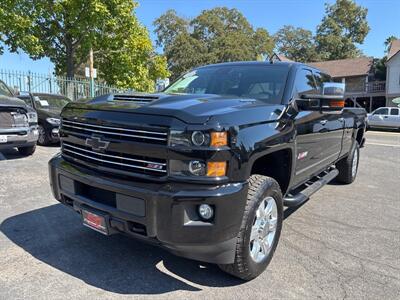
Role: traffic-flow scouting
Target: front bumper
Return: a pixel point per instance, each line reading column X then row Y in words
column 162, row 213
column 19, row 137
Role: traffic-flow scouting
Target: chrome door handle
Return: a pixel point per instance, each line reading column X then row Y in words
column 323, row 122
column 341, row 119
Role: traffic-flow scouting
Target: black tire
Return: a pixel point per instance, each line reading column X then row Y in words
column 43, row 139
column 244, row 266
column 345, row 165
column 27, row 150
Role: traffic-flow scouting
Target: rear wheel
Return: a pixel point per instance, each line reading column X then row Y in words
column 260, row 230
column 27, row 150
column 348, row 166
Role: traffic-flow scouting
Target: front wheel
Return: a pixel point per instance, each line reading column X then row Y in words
column 43, row 139
column 27, row 150
column 260, row 230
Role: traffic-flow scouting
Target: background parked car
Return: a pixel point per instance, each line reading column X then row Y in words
column 384, row 117
column 48, row 107
column 18, row 123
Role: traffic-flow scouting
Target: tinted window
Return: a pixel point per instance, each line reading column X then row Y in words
column 26, row 99
column 382, row 111
column 305, row 83
column 50, row 102
column 394, row 111
column 263, row 82
column 4, row 90
column 320, row 78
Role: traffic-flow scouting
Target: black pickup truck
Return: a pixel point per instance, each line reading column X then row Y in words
column 205, row 168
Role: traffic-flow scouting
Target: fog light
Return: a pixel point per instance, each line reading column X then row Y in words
column 206, row 211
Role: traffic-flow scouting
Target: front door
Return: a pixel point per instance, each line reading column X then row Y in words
column 379, row 117
column 319, row 134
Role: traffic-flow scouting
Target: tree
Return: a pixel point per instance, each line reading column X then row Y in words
column 388, row 42
column 296, row 44
column 216, row 35
column 342, row 28
column 65, row 31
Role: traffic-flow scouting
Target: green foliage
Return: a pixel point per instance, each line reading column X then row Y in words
column 344, row 25
column 216, row 35
column 65, row 30
column 380, row 68
column 388, row 42
column 296, row 44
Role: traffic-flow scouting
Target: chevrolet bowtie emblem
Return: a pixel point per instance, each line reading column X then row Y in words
column 96, row 143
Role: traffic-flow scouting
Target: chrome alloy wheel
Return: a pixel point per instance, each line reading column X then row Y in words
column 354, row 164
column 263, row 230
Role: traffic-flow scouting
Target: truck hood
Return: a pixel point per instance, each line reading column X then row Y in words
column 191, row 109
column 6, row 101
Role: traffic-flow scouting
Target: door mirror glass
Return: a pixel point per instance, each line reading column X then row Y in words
column 331, row 98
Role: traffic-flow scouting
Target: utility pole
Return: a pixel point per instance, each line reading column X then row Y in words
column 91, row 72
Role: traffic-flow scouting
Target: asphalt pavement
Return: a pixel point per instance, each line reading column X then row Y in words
column 343, row 243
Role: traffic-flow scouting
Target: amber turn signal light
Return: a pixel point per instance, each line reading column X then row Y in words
column 216, row 169
column 336, row 103
column 219, row 139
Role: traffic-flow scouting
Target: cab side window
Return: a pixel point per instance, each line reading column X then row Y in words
column 382, row 111
column 305, row 83
column 394, row 112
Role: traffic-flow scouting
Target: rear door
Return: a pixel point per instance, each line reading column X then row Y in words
column 334, row 123
column 394, row 118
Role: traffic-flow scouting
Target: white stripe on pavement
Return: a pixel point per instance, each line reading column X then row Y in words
column 386, row 145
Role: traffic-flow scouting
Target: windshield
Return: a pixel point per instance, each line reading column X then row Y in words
column 4, row 91
column 50, row 102
column 263, row 82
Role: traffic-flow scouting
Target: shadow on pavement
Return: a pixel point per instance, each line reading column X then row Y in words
column 118, row 264
column 10, row 154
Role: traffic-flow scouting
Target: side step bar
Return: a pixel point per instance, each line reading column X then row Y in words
column 302, row 196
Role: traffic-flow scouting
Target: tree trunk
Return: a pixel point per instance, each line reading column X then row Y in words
column 70, row 59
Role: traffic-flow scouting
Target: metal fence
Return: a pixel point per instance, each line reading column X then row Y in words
column 73, row 88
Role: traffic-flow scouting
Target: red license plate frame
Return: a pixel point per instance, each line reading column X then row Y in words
column 95, row 221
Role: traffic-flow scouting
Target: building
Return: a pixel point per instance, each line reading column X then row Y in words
column 362, row 90
column 393, row 73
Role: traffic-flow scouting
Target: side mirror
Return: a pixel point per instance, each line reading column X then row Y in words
column 331, row 99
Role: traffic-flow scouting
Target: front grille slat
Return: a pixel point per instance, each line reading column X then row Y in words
column 114, row 157
column 139, row 135
column 116, row 162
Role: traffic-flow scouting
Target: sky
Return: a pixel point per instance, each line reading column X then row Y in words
column 383, row 18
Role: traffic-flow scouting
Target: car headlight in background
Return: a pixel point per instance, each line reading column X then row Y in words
column 53, row 121
column 32, row 117
column 198, row 139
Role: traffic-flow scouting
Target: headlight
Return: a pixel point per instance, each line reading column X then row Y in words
column 198, row 139
column 53, row 121
column 32, row 117
column 197, row 168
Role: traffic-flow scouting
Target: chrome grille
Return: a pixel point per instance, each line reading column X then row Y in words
column 137, row 135
column 116, row 161
column 13, row 119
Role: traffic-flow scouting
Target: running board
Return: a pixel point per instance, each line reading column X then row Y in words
column 309, row 189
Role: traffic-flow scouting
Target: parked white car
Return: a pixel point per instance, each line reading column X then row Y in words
column 384, row 117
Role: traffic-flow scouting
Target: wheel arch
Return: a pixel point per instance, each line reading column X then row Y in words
column 277, row 164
